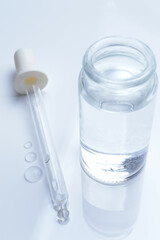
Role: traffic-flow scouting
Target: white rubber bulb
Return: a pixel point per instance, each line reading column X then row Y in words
column 28, row 73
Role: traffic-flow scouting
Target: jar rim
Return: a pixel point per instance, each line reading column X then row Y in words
column 115, row 41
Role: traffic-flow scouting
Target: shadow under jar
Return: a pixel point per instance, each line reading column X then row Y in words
column 117, row 88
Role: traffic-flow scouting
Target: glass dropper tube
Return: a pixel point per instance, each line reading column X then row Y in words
column 29, row 80
column 56, row 183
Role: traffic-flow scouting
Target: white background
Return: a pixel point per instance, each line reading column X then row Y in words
column 59, row 32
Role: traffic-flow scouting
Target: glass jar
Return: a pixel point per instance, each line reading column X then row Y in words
column 117, row 88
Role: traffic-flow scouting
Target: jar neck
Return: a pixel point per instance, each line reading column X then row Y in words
column 119, row 63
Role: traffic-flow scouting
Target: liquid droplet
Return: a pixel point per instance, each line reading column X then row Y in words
column 28, row 145
column 31, row 157
column 63, row 216
column 33, row 174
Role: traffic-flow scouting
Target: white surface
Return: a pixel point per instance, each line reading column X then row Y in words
column 59, row 32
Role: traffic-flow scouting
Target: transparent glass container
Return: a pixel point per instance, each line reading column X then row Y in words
column 117, row 89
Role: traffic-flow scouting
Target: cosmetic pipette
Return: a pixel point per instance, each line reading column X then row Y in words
column 30, row 80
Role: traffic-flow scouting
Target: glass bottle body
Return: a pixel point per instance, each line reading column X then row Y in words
column 117, row 89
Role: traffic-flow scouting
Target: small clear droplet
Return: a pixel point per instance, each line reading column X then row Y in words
column 31, row 157
column 33, row 174
column 63, row 216
column 28, row 145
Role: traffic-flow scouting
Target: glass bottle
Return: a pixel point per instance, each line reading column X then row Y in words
column 117, row 89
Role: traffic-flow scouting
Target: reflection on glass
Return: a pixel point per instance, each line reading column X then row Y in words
column 111, row 210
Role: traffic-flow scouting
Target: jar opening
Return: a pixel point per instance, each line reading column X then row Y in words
column 117, row 60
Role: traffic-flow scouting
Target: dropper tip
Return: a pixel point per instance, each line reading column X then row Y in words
column 63, row 216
